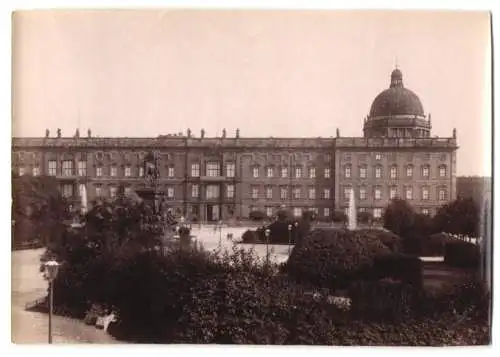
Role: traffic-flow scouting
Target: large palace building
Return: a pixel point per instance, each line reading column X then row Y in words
column 228, row 177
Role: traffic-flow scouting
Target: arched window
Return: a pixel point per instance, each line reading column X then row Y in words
column 347, row 171
column 362, row 171
column 394, row 172
column 409, row 170
column 442, row 171
column 425, row 171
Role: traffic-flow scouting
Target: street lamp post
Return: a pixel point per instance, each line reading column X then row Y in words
column 296, row 224
column 51, row 270
column 289, row 237
column 267, row 231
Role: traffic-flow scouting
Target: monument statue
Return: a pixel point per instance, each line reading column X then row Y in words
column 237, row 133
column 352, row 211
column 47, row 133
column 89, row 133
column 223, row 133
column 58, row 133
column 189, row 133
column 77, row 133
column 338, row 133
column 454, row 133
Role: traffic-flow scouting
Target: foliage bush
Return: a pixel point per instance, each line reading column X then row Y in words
column 365, row 217
column 461, row 254
column 250, row 236
column 407, row 269
column 334, row 258
column 399, row 217
column 458, row 217
column 339, row 216
column 382, row 300
column 387, row 238
column 257, row 216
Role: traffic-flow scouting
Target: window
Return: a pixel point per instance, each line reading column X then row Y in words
column 171, row 171
column 298, row 172
column 195, row 170
column 378, row 172
column 378, row 157
column 170, row 192
column 195, row 191
column 230, row 170
column 362, row 172
column 425, row 211
column 128, row 171
column 347, row 193
column 378, row 193
column 230, row 191
column 297, row 211
column 296, row 193
column 269, row 193
column 393, row 192
column 394, row 172
column 67, row 168
column 347, row 171
column 112, row 191
column 327, row 172
column 284, row 172
column 128, row 191
column 312, row 193
column 425, row 193
column 362, row 193
column 82, row 168
column 21, row 171
column 98, row 171
column 67, row 190
column 212, row 191
column 326, row 212
column 425, row 171
column 255, row 171
column 112, row 171
column 213, row 169
column 442, row 171
column 312, row 172
column 141, row 171
column 377, row 212
column 255, row 193
column 269, row 211
column 98, row 191
column 442, row 194
column 328, row 157
column 409, row 193
column 409, row 171
column 270, row 172
column 36, row 171
column 326, row 193
column 283, row 193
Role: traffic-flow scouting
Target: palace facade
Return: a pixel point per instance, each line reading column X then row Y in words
column 228, row 177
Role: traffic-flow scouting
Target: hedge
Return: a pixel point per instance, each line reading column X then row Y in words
column 405, row 268
column 334, row 258
column 387, row 238
column 461, row 254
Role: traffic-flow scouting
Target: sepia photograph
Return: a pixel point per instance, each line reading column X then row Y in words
column 251, row 177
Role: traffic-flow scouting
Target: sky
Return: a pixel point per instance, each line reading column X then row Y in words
column 268, row 73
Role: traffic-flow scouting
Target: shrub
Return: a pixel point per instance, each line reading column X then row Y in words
column 339, row 217
column 383, row 300
column 425, row 245
column 365, row 217
column 250, row 236
column 333, row 258
column 405, row 268
column 387, row 238
column 399, row 217
column 257, row 216
column 461, row 254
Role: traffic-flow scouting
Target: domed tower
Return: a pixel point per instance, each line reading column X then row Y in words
column 397, row 112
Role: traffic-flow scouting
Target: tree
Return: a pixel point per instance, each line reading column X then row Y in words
column 399, row 218
column 257, row 215
column 458, row 217
column 38, row 210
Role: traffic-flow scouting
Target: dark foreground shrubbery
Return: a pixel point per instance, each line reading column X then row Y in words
column 334, row 258
column 461, row 254
column 405, row 268
column 387, row 238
